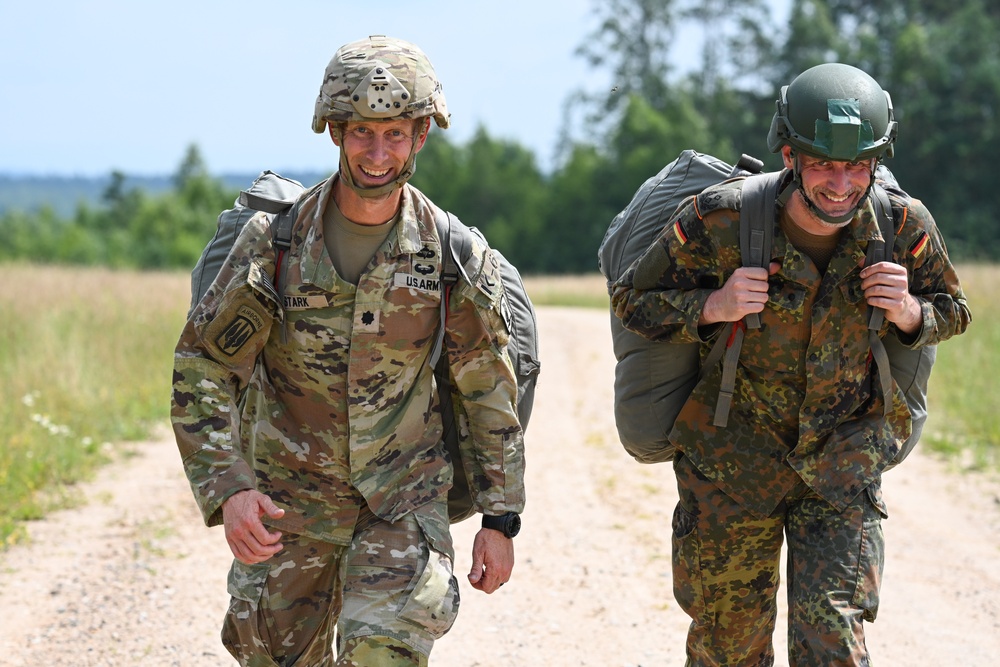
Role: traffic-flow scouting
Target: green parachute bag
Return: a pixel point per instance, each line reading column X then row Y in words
column 654, row 379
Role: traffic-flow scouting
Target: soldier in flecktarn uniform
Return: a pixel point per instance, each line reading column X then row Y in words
column 810, row 430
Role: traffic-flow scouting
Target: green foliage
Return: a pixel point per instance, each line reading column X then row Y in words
column 490, row 184
column 939, row 60
column 633, row 40
column 128, row 229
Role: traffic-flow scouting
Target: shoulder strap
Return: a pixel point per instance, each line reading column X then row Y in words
column 281, row 232
column 455, row 248
column 449, row 276
column 282, row 221
column 757, row 211
column 285, row 214
column 881, row 251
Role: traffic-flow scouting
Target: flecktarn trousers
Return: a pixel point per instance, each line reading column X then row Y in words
column 726, row 564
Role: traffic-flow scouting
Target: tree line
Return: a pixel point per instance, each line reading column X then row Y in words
column 940, row 61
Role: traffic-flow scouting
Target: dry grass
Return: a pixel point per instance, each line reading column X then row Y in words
column 588, row 290
column 85, row 358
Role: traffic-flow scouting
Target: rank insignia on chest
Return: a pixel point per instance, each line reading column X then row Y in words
column 366, row 321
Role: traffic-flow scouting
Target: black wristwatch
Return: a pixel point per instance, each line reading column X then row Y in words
column 509, row 524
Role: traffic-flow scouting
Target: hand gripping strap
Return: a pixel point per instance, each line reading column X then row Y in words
column 877, row 252
column 757, row 211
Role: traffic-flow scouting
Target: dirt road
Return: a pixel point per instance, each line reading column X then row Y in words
column 133, row 578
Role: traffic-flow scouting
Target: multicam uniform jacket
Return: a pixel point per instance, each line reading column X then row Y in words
column 323, row 399
column 805, row 403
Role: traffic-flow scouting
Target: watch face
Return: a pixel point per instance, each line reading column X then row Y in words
column 513, row 526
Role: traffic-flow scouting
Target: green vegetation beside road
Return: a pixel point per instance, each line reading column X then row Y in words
column 85, row 358
column 964, row 414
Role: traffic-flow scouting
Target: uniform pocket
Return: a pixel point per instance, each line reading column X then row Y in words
column 686, row 560
column 432, row 600
column 872, row 555
column 246, row 582
column 247, row 630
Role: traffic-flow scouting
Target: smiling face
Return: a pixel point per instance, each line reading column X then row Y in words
column 834, row 187
column 377, row 151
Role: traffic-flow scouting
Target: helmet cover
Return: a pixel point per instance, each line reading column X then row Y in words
column 834, row 111
column 379, row 78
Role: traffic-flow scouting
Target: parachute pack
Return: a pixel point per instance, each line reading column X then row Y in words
column 276, row 195
column 654, row 379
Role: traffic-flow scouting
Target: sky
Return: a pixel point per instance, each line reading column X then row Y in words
column 91, row 86
column 87, row 87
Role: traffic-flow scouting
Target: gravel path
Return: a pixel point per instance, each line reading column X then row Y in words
column 131, row 577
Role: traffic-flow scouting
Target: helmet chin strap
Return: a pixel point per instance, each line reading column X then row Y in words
column 378, row 192
column 796, row 184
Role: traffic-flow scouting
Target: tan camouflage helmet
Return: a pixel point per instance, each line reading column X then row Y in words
column 377, row 79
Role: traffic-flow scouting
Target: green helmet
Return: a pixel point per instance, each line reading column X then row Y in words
column 379, row 78
column 834, row 111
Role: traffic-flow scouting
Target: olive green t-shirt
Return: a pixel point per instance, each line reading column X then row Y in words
column 351, row 246
column 818, row 248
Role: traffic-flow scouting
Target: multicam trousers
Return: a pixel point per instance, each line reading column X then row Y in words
column 726, row 563
column 385, row 598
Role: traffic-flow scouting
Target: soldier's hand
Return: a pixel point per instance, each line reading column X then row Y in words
column 248, row 538
column 886, row 286
column 744, row 292
column 492, row 560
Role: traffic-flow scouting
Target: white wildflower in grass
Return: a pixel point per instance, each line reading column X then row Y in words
column 46, row 423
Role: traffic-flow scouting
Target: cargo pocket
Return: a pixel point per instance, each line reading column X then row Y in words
column 246, row 582
column 872, row 554
column 686, row 558
column 432, row 599
column 245, row 625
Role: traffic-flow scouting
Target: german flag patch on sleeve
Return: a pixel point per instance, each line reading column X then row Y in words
column 917, row 247
column 679, row 232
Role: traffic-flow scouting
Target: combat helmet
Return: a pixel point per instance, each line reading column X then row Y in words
column 837, row 112
column 379, row 78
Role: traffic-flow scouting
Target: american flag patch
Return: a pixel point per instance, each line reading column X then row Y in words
column 920, row 245
column 679, row 232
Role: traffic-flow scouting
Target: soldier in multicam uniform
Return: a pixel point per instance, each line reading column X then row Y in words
column 808, row 437
column 308, row 421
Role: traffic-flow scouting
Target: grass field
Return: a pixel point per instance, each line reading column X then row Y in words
column 964, row 410
column 85, row 359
